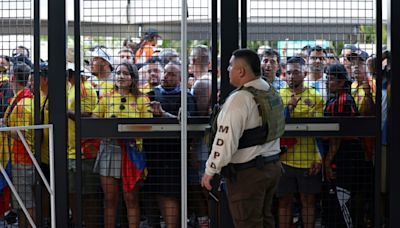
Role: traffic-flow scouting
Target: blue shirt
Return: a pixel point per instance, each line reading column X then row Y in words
column 278, row 84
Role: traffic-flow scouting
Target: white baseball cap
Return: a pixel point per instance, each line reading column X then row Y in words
column 101, row 52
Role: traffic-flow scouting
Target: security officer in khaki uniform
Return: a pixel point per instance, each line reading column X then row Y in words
column 245, row 149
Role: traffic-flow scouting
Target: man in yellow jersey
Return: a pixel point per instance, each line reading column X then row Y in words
column 362, row 89
column 44, row 119
column 20, row 113
column 101, row 67
column 302, row 161
column 315, row 72
column 89, row 150
column 154, row 71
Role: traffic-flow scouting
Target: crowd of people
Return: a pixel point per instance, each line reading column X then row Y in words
column 326, row 178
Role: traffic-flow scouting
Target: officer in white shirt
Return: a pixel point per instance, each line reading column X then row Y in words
column 256, row 169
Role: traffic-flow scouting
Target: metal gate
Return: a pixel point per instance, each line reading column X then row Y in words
column 223, row 26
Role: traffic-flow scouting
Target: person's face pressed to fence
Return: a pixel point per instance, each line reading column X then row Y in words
column 172, row 76
column 316, row 61
column 153, row 71
column 124, row 79
column 334, row 84
column 126, row 56
column 345, row 60
column 98, row 65
column 294, row 75
column 269, row 66
column 4, row 65
column 358, row 69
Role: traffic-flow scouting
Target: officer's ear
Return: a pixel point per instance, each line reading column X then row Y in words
column 242, row 70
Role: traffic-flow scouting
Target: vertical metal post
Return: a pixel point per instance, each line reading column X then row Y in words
column 78, row 157
column 37, row 112
column 214, row 51
column 57, row 30
column 52, row 178
column 229, row 41
column 394, row 112
column 378, row 146
column 183, row 118
column 243, row 23
column 388, row 23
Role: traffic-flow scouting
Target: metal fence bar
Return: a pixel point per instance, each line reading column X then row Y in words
column 394, row 131
column 50, row 188
column 183, row 116
column 37, row 113
column 35, row 163
column 243, row 23
column 57, row 44
column 10, row 184
column 52, row 178
column 378, row 147
column 78, row 175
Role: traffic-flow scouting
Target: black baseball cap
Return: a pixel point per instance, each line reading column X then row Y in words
column 338, row 70
column 151, row 33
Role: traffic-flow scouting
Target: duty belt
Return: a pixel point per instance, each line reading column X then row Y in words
column 230, row 171
column 258, row 161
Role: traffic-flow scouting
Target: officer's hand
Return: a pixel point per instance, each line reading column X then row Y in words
column 205, row 182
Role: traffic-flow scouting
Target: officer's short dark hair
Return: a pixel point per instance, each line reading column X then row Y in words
column 22, row 72
column 251, row 58
column 296, row 59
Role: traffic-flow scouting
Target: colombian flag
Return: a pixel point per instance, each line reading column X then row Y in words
column 5, row 194
column 133, row 163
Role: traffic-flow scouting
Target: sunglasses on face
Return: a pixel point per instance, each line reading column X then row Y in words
column 315, row 58
column 353, row 58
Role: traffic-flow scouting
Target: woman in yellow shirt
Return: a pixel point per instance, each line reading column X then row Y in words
column 125, row 101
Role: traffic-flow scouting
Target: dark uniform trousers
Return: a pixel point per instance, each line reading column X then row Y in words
column 250, row 195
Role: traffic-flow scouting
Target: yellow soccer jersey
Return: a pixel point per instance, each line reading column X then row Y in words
column 304, row 152
column 114, row 105
column 22, row 115
column 358, row 94
column 44, row 107
column 88, row 104
column 105, row 87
